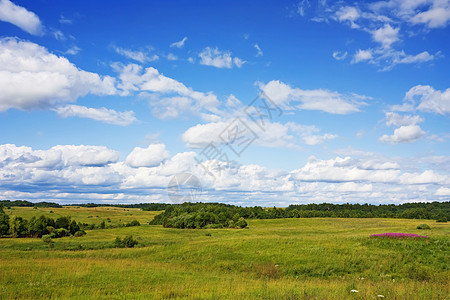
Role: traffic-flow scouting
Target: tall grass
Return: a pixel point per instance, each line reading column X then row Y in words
column 273, row 259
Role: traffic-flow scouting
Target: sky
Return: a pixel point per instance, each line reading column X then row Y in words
column 265, row 103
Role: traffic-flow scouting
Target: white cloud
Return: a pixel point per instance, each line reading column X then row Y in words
column 68, row 173
column 386, row 35
column 59, row 35
column 219, row 59
column 73, row 51
column 302, row 6
column 386, row 22
column 320, row 99
column 348, row 14
column 258, row 49
column 393, row 118
column 443, row 191
column 140, row 56
column 390, row 58
column 172, row 56
column 412, row 59
column 337, row 55
column 426, row 177
column 404, row 134
column 151, row 156
column 435, row 17
column 31, row 78
column 21, row 17
column 168, row 97
column 103, row 114
column 308, row 134
column 179, row 44
column 273, row 134
column 362, row 55
column 428, row 99
column 201, row 135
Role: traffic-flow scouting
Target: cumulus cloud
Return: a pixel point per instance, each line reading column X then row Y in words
column 272, row 134
column 103, row 114
column 393, row 118
column 387, row 22
column 323, row 100
column 179, row 44
column 168, row 97
column 437, row 16
column 219, row 59
column 425, row 98
column 404, row 134
column 151, row 156
column 348, row 14
column 21, row 17
column 33, row 78
column 443, row 191
column 408, row 130
column 362, row 55
column 69, row 173
column 386, row 35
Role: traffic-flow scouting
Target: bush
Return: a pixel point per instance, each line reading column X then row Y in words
column 423, row 226
column 133, row 223
column 79, row 233
column 60, row 232
column 47, row 239
column 442, row 220
column 127, row 242
column 241, row 223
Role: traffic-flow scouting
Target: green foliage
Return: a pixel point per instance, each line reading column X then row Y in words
column 102, row 225
column 79, row 233
column 4, row 223
column 126, row 242
column 41, row 226
column 423, row 226
column 23, row 203
column 47, row 239
column 133, row 223
column 442, row 220
column 200, row 215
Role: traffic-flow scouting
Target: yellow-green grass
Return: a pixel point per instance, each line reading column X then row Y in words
column 273, row 259
column 91, row 215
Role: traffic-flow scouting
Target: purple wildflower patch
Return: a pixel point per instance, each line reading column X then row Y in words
column 398, row 235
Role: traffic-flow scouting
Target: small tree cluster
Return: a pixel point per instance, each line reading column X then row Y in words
column 126, row 242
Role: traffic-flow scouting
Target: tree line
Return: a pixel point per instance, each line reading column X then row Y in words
column 37, row 227
column 219, row 215
column 200, row 215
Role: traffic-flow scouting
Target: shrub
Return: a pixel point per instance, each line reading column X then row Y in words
column 127, row 242
column 423, row 226
column 133, row 223
column 241, row 223
column 79, row 233
column 47, row 239
column 442, row 220
column 60, row 232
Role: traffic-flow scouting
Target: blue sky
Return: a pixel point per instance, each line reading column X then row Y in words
column 106, row 102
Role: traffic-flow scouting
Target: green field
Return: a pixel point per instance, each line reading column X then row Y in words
column 313, row 258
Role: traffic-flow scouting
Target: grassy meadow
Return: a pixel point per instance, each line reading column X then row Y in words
column 317, row 258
